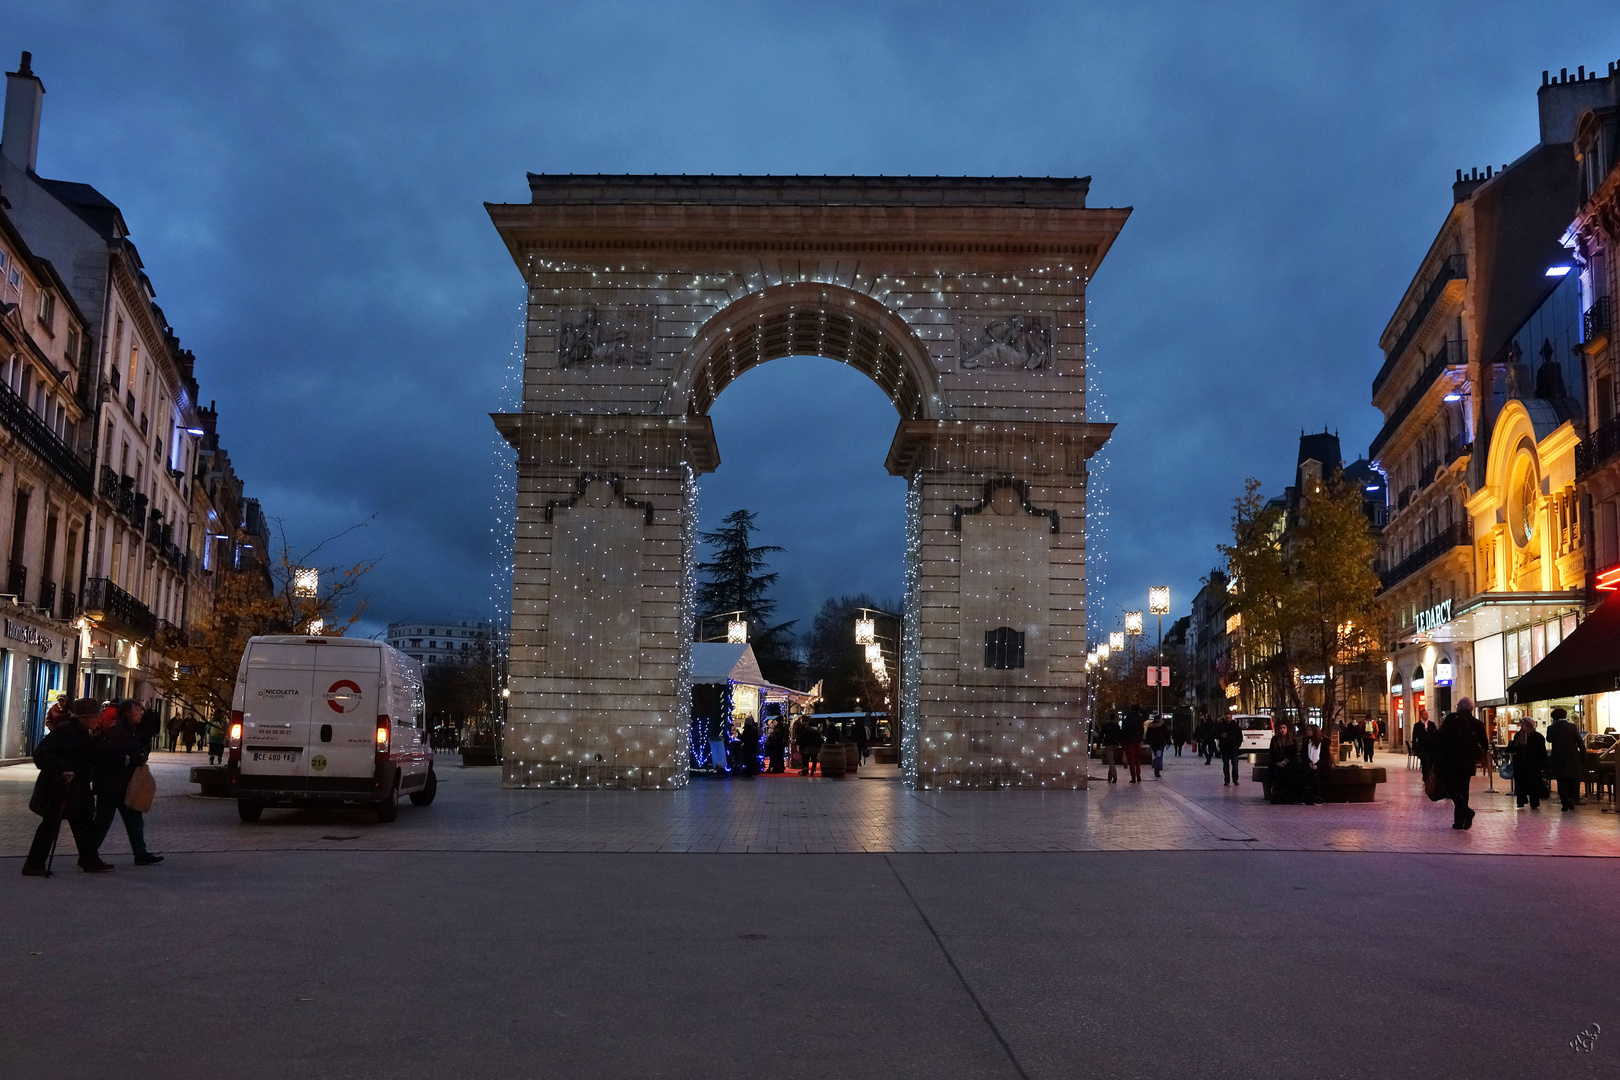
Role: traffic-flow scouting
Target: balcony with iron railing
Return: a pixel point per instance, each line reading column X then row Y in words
column 17, row 580
column 35, row 434
column 1454, row 535
column 1450, row 354
column 1597, row 323
column 47, row 597
column 1597, row 448
column 117, row 610
column 1452, row 269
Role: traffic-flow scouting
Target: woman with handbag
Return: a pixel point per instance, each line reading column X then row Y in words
column 65, row 758
column 123, row 782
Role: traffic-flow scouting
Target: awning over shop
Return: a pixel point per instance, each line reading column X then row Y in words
column 1585, row 662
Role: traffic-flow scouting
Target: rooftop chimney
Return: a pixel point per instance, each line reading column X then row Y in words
column 19, row 141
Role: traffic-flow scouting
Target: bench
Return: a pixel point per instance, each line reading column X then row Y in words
column 214, row 780
column 1342, row 783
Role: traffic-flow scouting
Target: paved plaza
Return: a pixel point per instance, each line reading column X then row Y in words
column 1170, row 928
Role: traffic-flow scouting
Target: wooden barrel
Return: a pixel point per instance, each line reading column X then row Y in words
column 832, row 760
column 852, row 758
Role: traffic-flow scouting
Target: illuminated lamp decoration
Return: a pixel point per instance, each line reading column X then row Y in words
column 874, row 654
column 1133, row 622
column 1116, row 640
column 1103, row 651
column 865, row 631
column 306, row 581
column 1159, row 599
column 737, row 632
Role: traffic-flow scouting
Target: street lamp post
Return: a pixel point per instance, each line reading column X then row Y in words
column 1133, row 630
column 1159, row 605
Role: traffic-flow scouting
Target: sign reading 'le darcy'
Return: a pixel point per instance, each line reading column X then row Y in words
column 1434, row 618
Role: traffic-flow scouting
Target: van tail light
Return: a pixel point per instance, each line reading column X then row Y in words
column 382, row 735
column 235, row 736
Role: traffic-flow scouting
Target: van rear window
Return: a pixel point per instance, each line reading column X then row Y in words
column 1256, row 723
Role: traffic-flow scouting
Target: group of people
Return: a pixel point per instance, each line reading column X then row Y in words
column 1122, row 736
column 1536, row 760
column 90, row 754
column 1361, row 736
column 1295, row 766
column 799, row 742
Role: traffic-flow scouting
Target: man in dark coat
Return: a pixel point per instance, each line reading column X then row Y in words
column 1459, row 744
column 1204, row 737
column 1228, row 740
column 1131, row 732
column 65, row 759
column 1567, row 751
column 1529, row 751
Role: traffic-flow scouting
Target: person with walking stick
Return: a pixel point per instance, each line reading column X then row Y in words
column 65, row 759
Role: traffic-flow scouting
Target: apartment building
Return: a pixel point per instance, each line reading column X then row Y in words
column 165, row 507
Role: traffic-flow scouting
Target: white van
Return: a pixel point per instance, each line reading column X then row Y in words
column 1257, row 732
column 327, row 721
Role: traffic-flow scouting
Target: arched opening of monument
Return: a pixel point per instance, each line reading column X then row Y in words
column 802, row 442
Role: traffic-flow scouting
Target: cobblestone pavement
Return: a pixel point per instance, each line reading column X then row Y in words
column 1129, row 931
column 1187, row 810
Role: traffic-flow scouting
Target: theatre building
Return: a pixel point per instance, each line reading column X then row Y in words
column 1484, row 391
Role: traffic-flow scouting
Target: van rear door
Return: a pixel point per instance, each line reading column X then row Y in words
column 344, row 724
column 275, row 710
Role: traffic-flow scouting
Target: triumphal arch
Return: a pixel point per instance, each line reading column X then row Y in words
column 963, row 299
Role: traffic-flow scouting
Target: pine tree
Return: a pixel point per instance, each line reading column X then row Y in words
column 735, row 580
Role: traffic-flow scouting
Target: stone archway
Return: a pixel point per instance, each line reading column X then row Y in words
column 964, row 299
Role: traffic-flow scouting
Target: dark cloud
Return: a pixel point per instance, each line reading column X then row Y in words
column 306, row 183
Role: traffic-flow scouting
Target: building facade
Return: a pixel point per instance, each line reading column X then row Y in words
column 165, row 508
column 45, row 486
column 1593, row 239
column 434, row 643
column 1484, row 391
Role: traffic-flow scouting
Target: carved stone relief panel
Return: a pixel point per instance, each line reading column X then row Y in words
column 1006, row 572
column 606, row 335
column 991, row 341
column 596, row 587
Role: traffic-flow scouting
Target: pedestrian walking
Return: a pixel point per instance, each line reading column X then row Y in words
column 188, row 733
column 119, row 754
column 861, row 744
column 1181, row 726
column 1567, row 751
column 216, row 741
column 1108, row 741
column 748, row 747
column 1204, row 735
column 1157, row 737
column 1459, row 743
column 1529, row 758
column 66, row 760
column 1131, row 732
column 1228, row 740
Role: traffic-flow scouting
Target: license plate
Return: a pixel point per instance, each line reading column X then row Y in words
column 259, row 755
